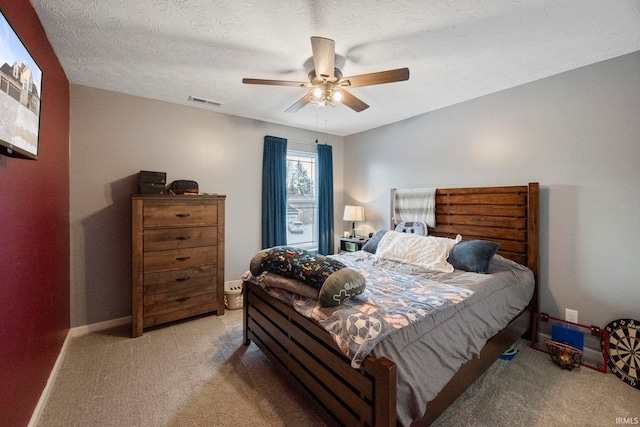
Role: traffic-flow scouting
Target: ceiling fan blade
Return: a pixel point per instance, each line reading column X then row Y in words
column 352, row 102
column 298, row 105
column 371, row 79
column 275, row 82
column 324, row 55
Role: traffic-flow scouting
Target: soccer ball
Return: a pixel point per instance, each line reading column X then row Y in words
column 361, row 327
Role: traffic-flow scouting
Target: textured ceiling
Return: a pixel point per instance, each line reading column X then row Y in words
column 456, row 50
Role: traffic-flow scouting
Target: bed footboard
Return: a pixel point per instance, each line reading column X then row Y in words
column 365, row 396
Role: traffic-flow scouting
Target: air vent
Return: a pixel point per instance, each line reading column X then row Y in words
column 204, row 101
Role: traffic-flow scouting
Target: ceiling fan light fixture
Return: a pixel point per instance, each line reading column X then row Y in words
column 317, row 93
column 337, row 95
column 325, row 94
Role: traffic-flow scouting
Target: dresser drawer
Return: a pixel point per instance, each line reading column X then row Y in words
column 180, row 294
column 159, row 239
column 153, row 309
column 165, row 281
column 179, row 258
column 182, row 311
column 178, row 215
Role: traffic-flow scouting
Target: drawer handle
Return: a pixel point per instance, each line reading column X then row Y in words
column 183, row 279
column 183, row 237
column 183, row 258
column 183, row 215
column 182, row 299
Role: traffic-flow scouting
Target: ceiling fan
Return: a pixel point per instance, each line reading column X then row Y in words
column 326, row 83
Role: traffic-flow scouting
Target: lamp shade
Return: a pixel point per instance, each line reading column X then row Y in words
column 353, row 213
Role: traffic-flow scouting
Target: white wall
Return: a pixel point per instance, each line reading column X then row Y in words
column 577, row 134
column 114, row 136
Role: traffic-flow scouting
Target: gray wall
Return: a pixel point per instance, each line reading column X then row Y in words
column 577, row 134
column 114, row 136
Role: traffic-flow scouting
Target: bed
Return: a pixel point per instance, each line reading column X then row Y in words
column 376, row 393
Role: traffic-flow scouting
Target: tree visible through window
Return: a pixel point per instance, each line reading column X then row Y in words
column 302, row 202
column 300, row 184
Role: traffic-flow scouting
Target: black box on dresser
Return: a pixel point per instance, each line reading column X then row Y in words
column 152, row 182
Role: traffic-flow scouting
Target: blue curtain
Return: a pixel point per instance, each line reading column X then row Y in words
column 274, row 192
column 325, row 200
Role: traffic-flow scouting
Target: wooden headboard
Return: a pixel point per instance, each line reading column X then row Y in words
column 507, row 215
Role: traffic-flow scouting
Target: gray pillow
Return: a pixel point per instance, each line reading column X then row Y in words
column 340, row 286
column 473, row 255
column 372, row 244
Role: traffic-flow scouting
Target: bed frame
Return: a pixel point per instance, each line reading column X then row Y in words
column 367, row 396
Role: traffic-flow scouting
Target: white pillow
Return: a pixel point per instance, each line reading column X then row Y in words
column 424, row 251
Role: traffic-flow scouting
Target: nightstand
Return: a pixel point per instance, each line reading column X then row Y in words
column 352, row 245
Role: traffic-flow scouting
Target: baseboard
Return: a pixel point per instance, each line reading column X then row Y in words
column 100, row 326
column 73, row 332
column 37, row 412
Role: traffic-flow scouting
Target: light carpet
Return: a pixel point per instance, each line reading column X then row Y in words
column 198, row 373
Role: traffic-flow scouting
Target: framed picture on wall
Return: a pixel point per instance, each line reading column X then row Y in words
column 20, row 96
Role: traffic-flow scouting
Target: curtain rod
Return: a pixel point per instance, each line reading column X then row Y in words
column 297, row 141
column 302, row 142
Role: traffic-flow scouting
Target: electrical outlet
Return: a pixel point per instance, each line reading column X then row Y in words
column 571, row 315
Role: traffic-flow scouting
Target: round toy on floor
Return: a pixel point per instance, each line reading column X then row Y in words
column 624, row 350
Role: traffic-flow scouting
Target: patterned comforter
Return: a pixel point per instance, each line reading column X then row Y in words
column 392, row 300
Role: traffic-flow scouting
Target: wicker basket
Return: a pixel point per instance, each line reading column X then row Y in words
column 233, row 294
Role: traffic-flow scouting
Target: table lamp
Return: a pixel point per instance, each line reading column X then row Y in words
column 353, row 214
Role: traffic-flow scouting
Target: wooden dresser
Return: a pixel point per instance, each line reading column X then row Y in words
column 177, row 258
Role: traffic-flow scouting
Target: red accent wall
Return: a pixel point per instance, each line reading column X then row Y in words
column 34, row 237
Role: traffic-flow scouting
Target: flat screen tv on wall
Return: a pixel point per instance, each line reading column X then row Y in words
column 20, row 96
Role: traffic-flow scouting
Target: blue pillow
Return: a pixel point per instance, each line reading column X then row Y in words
column 372, row 244
column 473, row 255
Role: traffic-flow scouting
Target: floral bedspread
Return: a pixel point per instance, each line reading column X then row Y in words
column 390, row 301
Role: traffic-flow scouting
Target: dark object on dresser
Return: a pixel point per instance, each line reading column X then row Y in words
column 152, row 182
column 177, row 258
column 183, row 186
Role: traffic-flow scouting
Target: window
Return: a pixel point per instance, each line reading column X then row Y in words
column 302, row 199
